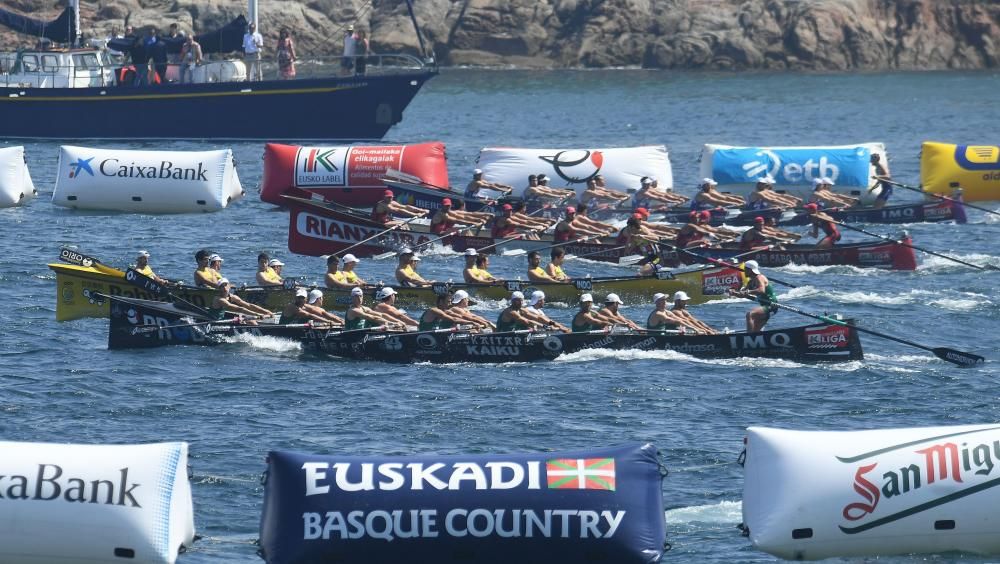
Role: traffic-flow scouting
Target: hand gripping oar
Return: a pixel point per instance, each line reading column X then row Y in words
column 379, row 234
column 730, row 265
column 933, row 195
column 963, row 359
column 891, row 240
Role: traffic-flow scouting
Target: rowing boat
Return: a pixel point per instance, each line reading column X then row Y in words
column 143, row 323
column 879, row 254
column 915, row 212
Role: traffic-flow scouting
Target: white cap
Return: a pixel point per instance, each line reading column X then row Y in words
column 470, row 252
column 536, row 297
column 818, row 181
column 477, row 171
column 350, row 258
column 221, row 281
column 645, row 181
column 586, row 298
column 214, row 258
column 357, row 292
column 681, row 296
column 301, row 293
column 766, row 179
column 315, row 295
column 144, row 254
column 752, row 266
column 383, row 293
column 542, row 177
column 272, row 262
column 828, row 181
column 613, row 299
column 658, row 296
column 416, row 257
column 459, row 296
column 517, row 296
column 709, row 181
column 405, row 251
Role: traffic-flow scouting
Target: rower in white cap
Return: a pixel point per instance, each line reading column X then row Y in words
column 651, row 198
column 314, row 303
column 534, row 311
column 610, row 314
column 513, row 318
column 587, row 320
column 822, row 195
column 479, row 183
column 225, row 301
column 360, row 316
column 215, row 263
column 386, row 305
column 759, row 289
column 709, row 197
column 764, row 196
column 142, row 267
column 297, row 312
column 406, row 270
column 460, row 308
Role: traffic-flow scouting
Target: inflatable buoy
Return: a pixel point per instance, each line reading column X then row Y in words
column 16, row 187
column 793, row 169
column 146, row 181
column 622, row 168
column 94, row 503
column 813, row 494
column 974, row 168
column 600, row 505
column 348, row 175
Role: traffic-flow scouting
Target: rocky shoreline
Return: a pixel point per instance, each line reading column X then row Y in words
column 825, row 35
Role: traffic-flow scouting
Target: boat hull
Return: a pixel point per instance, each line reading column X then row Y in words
column 918, row 212
column 865, row 255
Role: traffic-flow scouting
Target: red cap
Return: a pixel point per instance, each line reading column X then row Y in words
column 705, row 215
column 387, row 194
column 693, row 215
column 812, row 207
column 642, row 211
column 758, row 219
column 446, row 202
column 508, row 207
column 570, row 210
column 637, row 216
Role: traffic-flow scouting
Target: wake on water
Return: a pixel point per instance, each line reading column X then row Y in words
column 722, row 513
column 266, row 343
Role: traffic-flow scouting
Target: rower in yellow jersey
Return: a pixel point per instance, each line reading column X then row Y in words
column 479, row 274
column 347, row 277
column 406, row 273
column 142, row 267
column 535, row 271
column 266, row 276
column 204, row 275
column 554, row 269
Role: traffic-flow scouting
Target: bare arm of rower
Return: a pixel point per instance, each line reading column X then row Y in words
column 396, row 315
column 402, row 209
column 254, row 309
column 328, row 316
column 230, row 306
column 542, row 276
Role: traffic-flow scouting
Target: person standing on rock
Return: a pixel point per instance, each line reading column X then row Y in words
column 253, row 42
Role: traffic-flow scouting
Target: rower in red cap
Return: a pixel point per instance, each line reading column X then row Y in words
column 822, row 221
column 506, row 226
column 445, row 219
column 386, row 207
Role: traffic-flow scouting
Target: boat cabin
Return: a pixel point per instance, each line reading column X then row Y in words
column 64, row 68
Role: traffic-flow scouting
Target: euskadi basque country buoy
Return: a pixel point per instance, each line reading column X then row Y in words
column 975, row 168
column 348, row 175
column 94, row 503
column 16, row 187
column 622, row 168
column 599, row 505
column 146, row 181
column 793, row 169
column 816, row 494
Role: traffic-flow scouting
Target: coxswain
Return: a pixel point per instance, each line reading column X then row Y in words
column 460, row 307
column 534, row 311
column 215, row 263
column 225, row 302
column 709, row 197
column 586, row 320
column 764, row 196
column 314, row 303
column 535, row 271
column 823, row 196
column 406, row 270
column 610, row 314
column 512, row 318
column 599, row 196
column 479, row 183
column 822, row 221
column 680, row 311
column 439, row 316
column 142, row 267
column 757, row 288
column 507, row 226
column 554, row 269
column 384, row 209
column 296, row 312
column 204, row 276
column 359, row 316
column 881, row 175
column 386, row 298
column 266, row 276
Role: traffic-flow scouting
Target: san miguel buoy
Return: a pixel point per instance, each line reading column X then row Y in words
column 599, row 505
column 818, row 494
column 94, row 503
column 16, row 187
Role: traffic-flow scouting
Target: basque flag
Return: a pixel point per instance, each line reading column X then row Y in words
column 581, row 473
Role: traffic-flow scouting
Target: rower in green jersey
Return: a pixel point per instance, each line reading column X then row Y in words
column 585, row 320
column 225, row 302
column 512, row 318
column 438, row 317
column 359, row 316
column 757, row 288
column 662, row 320
column 297, row 312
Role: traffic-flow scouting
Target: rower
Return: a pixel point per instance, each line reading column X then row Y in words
column 384, row 209
column 681, row 312
column 661, row 231
column 142, row 267
column 649, row 197
column 215, row 263
column 479, row 183
column 520, row 214
column 386, row 305
column 554, row 269
column 460, row 307
column 359, row 316
column 754, row 237
column 204, row 276
column 694, row 232
column 296, row 312
column 609, row 313
column 822, row 221
column 480, row 274
column 765, row 197
column 331, row 279
column 636, row 238
column 444, row 219
column 709, row 197
column 266, row 276
column 593, row 193
column 315, row 304
column 585, row 222
column 586, row 320
column 347, row 277
column 535, row 313
column 225, row 302
column 757, row 288
column 506, row 225
column 277, row 266
column 822, row 195
column 512, row 318
column 438, row 317
column 538, row 195
column 535, row 271
column 880, row 173
column 406, row 270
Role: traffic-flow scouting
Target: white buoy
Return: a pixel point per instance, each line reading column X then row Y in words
column 16, row 187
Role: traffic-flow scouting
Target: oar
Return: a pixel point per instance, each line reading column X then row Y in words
column 417, row 180
column 933, row 195
column 417, row 246
column 564, row 243
column 516, row 237
column 891, row 240
column 377, row 235
column 142, row 281
column 729, row 265
column 963, row 359
column 597, row 253
column 153, row 327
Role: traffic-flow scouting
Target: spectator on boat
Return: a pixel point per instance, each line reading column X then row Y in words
column 386, row 298
column 253, row 42
column 757, row 288
column 821, row 221
column 266, row 276
column 156, row 48
column 225, row 302
column 296, row 312
column 586, row 320
column 406, row 270
column 315, row 304
column 174, row 35
column 384, row 209
column 880, row 173
column 361, row 51
column 709, row 197
column 359, row 316
column 191, row 57
column 204, row 276
column 479, row 274
column 460, row 308
column 535, row 312
column 350, row 48
column 610, row 314
column 479, row 183
column 286, row 55
column 142, row 267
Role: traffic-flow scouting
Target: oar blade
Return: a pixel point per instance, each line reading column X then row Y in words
column 959, row 358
